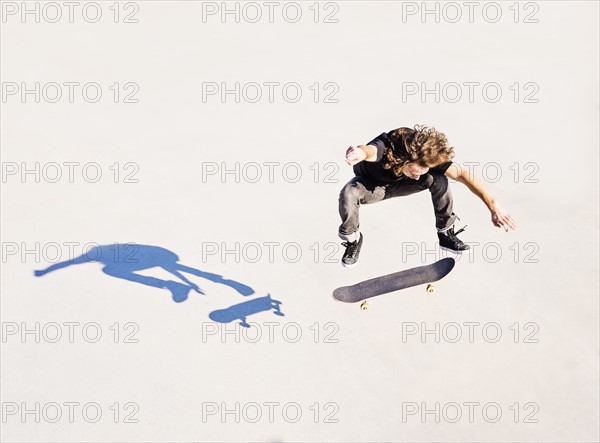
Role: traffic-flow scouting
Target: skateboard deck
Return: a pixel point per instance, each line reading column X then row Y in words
column 395, row 282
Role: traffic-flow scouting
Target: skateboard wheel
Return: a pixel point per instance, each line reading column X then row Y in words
column 364, row 306
column 430, row 289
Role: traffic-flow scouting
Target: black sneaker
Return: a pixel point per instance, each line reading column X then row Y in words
column 352, row 251
column 451, row 241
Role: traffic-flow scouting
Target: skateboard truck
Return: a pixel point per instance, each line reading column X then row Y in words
column 364, row 306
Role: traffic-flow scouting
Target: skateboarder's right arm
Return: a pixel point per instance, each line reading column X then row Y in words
column 359, row 153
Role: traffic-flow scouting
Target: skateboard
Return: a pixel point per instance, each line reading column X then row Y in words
column 408, row 278
column 243, row 310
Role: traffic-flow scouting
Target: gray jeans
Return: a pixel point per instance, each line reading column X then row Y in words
column 360, row 191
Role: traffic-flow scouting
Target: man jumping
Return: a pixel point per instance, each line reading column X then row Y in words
column 402, row 162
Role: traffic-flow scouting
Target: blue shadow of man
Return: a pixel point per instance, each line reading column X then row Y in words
column 121, row 260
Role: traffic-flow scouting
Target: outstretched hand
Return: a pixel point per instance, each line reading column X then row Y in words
column 355, row 155
column 502, row 219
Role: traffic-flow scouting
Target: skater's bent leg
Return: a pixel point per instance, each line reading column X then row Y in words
column 441, row 196
column 356, row 192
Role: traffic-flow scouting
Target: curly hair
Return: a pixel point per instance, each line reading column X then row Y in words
column 422, row 145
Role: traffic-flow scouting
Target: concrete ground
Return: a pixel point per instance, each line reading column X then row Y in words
column 210, row 166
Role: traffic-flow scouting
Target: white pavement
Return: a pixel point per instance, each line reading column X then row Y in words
column 505, row 350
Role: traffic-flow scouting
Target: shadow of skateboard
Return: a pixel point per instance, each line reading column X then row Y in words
column 245, row 309
column 394, row 282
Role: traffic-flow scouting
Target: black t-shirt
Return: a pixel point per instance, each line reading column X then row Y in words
column 376, row 172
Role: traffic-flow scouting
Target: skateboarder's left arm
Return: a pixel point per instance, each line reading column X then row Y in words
column 500, row 218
